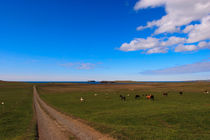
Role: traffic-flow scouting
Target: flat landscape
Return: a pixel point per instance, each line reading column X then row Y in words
column 171, row 117
column 16, row 112
column 105, row 70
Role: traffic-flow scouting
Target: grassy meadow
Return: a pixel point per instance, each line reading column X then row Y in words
column 175, row 117
column 16, row 112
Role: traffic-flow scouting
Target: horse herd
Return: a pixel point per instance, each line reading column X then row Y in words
column 148, row 96
column 151, row 96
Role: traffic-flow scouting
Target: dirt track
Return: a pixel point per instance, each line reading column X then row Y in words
column 53, row 125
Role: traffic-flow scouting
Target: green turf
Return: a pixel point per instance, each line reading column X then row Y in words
column 16, row 115
column 175, row 117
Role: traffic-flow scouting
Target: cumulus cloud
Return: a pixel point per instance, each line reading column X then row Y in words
column 152, row 45
column 204, row 44
column 201, row 45
column 173, row 41
column 199, row 32
column 140, row 44
column 189, row 68
column 179, row 13
column 188, row 28
column 81, row 66
column 157, row 50
column 183, row 48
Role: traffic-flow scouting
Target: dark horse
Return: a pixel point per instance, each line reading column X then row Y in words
column 152, row 97
column 137, row 96
column 165, row 94
column 123, row 97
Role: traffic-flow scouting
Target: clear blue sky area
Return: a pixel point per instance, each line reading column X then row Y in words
column 76, row 40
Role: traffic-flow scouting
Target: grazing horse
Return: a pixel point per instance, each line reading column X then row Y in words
column 165, row 94
column 150, row 97
column 81, row 99
column 137, row 96
column 123, row 97
column 180, row 93
column 206, row 92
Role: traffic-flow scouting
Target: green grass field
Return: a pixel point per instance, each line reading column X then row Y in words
column 175, row 117
column 16, row 115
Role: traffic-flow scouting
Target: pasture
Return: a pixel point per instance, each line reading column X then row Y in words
column 172, row 117
column 16, row 111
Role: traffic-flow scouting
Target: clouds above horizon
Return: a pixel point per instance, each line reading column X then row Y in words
column 80, row 66
column 179, row 13
column 183, row 69
column 201, row 45
column 152, row 45
column 180, row 18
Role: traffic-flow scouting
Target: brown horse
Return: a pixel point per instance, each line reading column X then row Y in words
column 150, row 97
column 165, row 94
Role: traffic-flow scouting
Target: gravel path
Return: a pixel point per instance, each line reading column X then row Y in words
column 48, row 128
column 53, row 125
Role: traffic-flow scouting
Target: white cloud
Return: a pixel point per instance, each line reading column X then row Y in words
column 189, row 68
column 140, row 44
column 179, row 13
column 173, row 41
column 204, row 45
column 151, row 45
column 148, row 3
column 183, row 48
column 188, row 28
column 81, row 66
column 201, row 45
column 199, row 32
column 157, row 50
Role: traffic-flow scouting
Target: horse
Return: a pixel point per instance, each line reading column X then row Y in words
column 150, row 97
column 137, row 96
column 165, row 94
column 206, row 92
column 123, row 97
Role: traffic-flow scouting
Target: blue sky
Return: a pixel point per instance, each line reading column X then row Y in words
column 66, row 40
